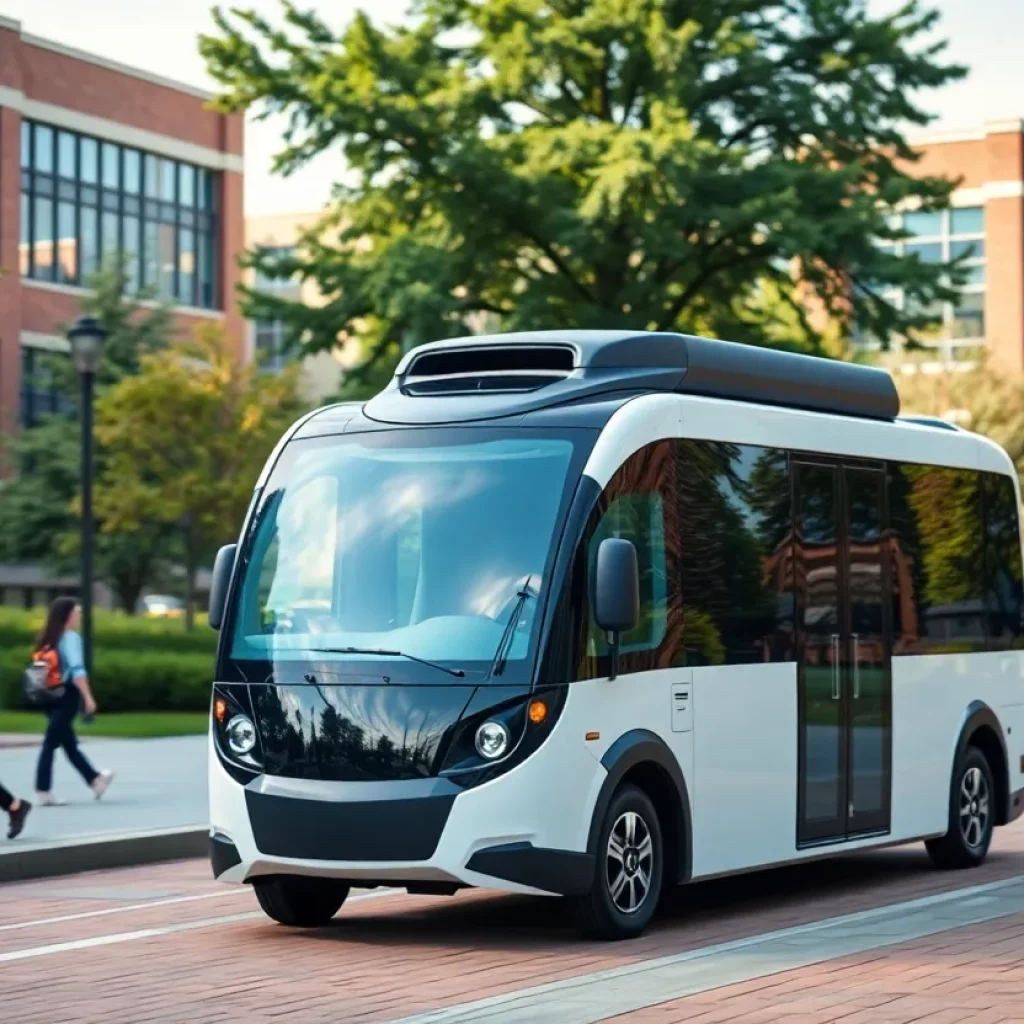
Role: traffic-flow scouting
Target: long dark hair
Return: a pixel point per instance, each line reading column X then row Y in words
column 56, row 622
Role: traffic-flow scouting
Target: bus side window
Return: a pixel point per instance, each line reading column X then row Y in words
column 639, row 505
column 937, row 545
column 1002, row 563
column 737, row 554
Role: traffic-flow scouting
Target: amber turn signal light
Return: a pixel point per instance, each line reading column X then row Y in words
column 538, row 712
column 220, row 709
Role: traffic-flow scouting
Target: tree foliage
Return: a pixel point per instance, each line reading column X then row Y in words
column 39, row 518
column 185, row 440
column 597, row 163
column 981, row 398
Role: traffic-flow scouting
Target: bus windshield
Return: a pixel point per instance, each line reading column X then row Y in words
column 419, row 542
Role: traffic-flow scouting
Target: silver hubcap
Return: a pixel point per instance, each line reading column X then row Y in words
column 629, row 862
column 973, row 807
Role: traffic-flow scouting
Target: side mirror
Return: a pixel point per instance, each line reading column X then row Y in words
column 616, row 592
column 222, row 568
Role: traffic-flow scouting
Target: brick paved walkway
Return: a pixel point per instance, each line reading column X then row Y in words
column 970, row 974
column 390, row 957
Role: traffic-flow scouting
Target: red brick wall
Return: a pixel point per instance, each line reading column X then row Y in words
column 90, row 89
column 72, row 83
column 46, row 310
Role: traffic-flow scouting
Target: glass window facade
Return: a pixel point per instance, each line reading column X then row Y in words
column 84, row 199
column 39, row 395
column 938, row 237
column 269, row 335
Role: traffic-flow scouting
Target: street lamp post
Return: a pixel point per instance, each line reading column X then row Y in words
column 86, row 338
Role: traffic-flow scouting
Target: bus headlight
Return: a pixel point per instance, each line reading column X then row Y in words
column 241, row 734
column 492, row 739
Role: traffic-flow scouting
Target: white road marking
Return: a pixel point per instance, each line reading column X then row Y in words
column 124, row 909
column 151, row 933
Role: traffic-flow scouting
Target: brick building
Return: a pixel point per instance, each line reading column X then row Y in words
column 986, row 222
column 95, row 158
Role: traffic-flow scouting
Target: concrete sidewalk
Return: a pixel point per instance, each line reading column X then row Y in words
column 158, row 784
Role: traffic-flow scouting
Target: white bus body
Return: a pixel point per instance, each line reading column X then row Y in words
column 871, row 694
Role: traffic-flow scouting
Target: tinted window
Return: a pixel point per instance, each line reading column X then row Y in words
column 1002, row 562
column 736, row 573
column 64, row 243
column 935, row 514
column 398, row 542
column 639, row 504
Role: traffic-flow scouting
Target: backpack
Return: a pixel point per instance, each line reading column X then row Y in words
column 44, row 680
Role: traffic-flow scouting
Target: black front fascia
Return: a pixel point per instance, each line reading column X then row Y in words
column 397, row 821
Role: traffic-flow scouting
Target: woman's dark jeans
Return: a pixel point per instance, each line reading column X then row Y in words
column 6, row 799
column 61, row 733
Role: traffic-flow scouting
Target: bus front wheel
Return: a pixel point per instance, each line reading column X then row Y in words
column 300, row 902
column 971, row 814
column 629, row 869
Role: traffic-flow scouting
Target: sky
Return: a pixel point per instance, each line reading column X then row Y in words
column 161, row 38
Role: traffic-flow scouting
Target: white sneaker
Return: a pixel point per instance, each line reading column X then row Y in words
column 101, row 782
column 49, row 800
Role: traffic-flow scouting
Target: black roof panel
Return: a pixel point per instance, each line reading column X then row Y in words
column 490, row 377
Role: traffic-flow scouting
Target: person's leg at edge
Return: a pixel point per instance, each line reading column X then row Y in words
column 96, row 781
column 44, row 767
column 17, row 811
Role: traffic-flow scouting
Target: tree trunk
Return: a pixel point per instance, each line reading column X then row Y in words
column 128, row 590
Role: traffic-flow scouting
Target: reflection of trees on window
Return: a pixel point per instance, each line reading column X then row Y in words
column 639, row 504
column 937, row 527
column 1002, row 584
column 735, row 574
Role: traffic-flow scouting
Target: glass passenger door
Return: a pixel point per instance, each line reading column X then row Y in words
column 844, row 687
column 821, row 796
column 868, row 685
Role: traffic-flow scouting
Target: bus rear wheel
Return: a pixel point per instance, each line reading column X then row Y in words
column 971, row 814
column 629, row 869
column 298, row 901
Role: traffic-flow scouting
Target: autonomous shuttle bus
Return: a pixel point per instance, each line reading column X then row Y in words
column 591, row 614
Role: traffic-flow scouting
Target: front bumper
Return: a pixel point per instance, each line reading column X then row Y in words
column 523, row 831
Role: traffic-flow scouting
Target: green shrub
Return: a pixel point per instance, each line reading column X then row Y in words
column 138, row 664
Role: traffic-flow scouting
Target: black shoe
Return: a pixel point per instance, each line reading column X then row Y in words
column 18, row 819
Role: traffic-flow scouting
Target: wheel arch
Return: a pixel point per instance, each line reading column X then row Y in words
column 980, row 727
column 644, row 759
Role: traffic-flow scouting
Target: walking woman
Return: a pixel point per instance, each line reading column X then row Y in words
column 17, row 811
column 61, row 634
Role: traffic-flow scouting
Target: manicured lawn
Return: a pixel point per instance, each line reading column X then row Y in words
column 125, row 724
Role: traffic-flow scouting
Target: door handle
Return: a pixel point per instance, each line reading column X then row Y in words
column 856, row 666
column 835, row 666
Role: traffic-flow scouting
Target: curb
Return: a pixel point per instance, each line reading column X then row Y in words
column 94, row 853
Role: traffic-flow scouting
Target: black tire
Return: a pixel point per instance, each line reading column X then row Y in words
column 972, row 808
column 602, row 915
column 299, row 901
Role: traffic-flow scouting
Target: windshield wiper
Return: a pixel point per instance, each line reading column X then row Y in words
column 505, row 643
column 457, row 672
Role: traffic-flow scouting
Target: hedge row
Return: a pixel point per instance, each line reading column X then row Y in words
column 138, row 664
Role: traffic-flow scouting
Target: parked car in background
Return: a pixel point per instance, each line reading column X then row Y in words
column 161, row 606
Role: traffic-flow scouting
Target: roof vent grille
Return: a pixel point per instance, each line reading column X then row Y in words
column 461, row 370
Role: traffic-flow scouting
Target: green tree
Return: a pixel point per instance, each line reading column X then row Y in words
column 39, row 519
column 983, row 398
column 185, row 440
column 639, row 164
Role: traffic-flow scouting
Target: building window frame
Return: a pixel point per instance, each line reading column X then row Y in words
column 947, row 240
column 103, row 207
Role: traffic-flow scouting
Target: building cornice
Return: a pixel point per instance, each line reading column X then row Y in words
column 41, row 43
column 116, row 131
column 79, row 292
